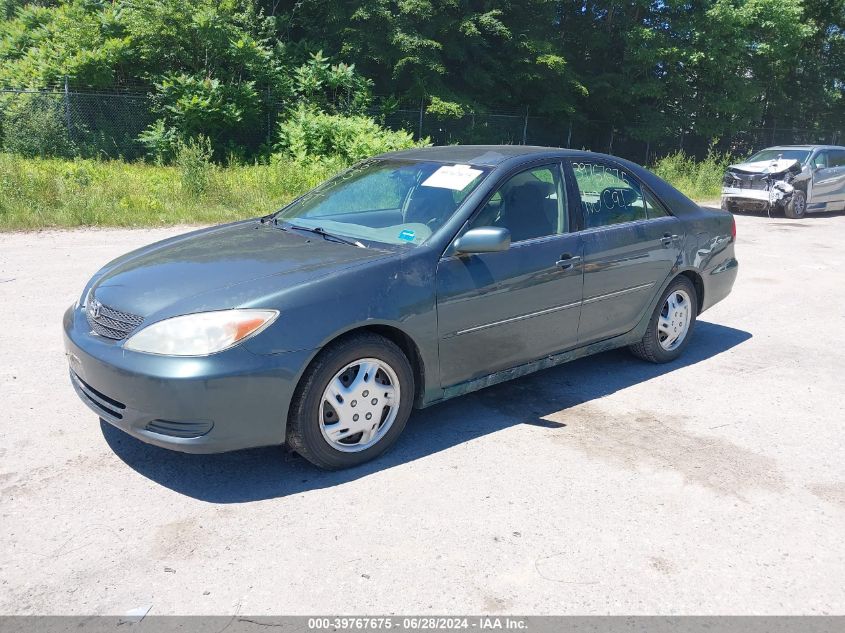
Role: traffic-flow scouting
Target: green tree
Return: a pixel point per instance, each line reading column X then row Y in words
column 644, row 69
column 478, row 54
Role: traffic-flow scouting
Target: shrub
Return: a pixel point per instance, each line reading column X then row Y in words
column 34, row 125
column 190, row 105
column 161, row 142
column 697, row 179
column 193, row 159
column 445, row 109
column 331, row 87
column 307, row 133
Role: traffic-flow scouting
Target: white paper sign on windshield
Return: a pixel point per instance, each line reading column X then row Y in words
column 454, row 177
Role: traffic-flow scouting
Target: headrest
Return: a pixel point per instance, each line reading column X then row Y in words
column 530, row 192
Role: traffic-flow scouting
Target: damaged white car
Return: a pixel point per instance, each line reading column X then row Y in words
column 795, row 179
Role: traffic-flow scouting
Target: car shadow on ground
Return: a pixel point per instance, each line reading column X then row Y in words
column 267, row 473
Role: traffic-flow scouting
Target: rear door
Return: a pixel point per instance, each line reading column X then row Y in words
column 630, row 242
column 499, row 310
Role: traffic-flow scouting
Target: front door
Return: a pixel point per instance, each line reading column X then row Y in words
column 499, row 310
column 828, row 180
column 631, row 243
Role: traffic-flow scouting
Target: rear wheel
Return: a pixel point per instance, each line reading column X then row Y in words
column 670, row 328
column 797, row 205
column 352, row 403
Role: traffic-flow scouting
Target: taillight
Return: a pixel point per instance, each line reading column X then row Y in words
column 733, row 229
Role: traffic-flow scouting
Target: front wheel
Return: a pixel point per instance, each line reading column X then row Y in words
column 352, row 402
column 670, row 328
column 797, row 205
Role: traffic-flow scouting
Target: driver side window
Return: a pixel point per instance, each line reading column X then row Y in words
column 530, row 204
column 820, row 160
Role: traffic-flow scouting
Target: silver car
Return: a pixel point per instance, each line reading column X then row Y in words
column 795, row 179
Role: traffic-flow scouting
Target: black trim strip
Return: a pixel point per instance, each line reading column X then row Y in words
column 96, row 395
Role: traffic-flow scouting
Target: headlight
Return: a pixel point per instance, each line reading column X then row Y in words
column 200, row 334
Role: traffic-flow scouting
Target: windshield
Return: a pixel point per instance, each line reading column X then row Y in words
column 801, row 155
column 388, row 201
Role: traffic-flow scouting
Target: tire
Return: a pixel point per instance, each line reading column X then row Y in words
column 797, row 206
column 657, row 345
column 320, row 423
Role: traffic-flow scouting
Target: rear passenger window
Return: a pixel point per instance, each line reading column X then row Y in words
column 837, row 158
column 609, row 195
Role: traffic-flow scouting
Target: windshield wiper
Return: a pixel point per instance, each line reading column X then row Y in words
column 319, row 230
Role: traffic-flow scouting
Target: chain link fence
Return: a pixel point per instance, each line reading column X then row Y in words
column 593, row 135
column 103, row 124
column 71, row 123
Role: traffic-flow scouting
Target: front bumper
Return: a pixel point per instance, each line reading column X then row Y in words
column 211, row 404
column 751, row 199
column 746, row 194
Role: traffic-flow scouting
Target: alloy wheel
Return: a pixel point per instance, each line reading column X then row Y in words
column 800, row 204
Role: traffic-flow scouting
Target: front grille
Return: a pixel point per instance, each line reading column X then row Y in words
column 109, row 322
column 101, row 403
column 759, row 182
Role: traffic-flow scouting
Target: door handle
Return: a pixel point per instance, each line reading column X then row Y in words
column 567, row 261
column 667, row 239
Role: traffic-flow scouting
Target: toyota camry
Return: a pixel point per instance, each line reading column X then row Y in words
column 408, row 279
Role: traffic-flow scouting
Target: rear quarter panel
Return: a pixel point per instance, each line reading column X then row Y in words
column 709, row 243
column 709, row 251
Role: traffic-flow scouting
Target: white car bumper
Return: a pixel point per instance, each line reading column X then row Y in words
column 746, row 194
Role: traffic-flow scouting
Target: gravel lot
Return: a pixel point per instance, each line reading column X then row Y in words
column 606, row 486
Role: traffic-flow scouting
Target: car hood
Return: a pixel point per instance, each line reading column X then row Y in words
column 767, row 166
column 209, row 261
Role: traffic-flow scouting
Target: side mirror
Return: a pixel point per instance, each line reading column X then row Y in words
column 486, row 239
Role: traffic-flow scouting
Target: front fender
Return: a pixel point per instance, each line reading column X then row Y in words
column 396, row 293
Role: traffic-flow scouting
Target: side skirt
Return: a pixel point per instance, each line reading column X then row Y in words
column 823, row 207
column 537, row 365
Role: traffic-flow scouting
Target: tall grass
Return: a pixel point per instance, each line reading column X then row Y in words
column 700, row 180
column 42, row 192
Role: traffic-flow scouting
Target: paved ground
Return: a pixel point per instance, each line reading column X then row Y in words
column 714, row 485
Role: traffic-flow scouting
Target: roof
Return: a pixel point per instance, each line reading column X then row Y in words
column 807, row 147
column 496, row 155
column 493, row 155
column 486, row 155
